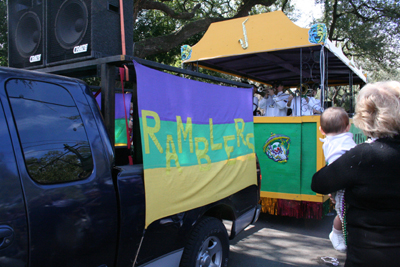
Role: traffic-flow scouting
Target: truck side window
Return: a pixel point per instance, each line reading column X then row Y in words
column 51, row 132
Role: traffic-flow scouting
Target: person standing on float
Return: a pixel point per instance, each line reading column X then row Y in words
column 281, row 100
column 269, row 103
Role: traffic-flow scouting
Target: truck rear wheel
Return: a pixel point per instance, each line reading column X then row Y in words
column 208, row 245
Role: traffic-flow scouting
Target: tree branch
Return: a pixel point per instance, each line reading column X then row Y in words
column 247, row 5
column 163, row 44
column 358, row 14
column 148, row 4
column 334, row 18
column 285, row 2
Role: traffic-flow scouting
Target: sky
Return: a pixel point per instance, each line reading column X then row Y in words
column 308, row 10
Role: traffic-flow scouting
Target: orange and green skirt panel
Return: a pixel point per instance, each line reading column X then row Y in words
column 289, row 153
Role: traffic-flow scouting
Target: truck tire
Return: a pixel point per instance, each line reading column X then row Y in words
column 208, row 245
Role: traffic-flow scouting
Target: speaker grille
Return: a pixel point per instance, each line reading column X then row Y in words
column 26, row 38
column 28, row 34
column 69, row 27
column 71, row 23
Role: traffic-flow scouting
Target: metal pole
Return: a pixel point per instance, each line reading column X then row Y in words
column 108, row 99
column 351, row 91
column 326, row 78
column 301, row 83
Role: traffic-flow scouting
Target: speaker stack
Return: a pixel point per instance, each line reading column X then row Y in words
column 54, row 32
column 25, row 33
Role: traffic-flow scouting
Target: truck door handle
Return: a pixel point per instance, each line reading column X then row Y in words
column 6, row 236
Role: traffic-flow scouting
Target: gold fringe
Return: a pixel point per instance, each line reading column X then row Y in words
column 269, row 205
column 294, row 208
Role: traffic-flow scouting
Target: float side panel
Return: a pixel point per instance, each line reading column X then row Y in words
column 279, row 177
column 308, row 156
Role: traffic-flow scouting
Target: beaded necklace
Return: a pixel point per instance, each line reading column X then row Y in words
column 344, row 222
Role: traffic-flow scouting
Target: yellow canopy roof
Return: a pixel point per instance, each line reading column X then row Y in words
column 270, row 47
column 265, row 32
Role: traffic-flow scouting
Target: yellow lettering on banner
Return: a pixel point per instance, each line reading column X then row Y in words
column 229, row 149
column 171, row 155
column 239, row 132
column 150, row 131
column 185, row 132
column 249, row 144
column 202, row 153
column 216, row 146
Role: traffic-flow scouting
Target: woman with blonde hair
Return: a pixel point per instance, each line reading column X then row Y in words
column 370, row 175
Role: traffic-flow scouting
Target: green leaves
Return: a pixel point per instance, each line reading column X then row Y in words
column 368, row 30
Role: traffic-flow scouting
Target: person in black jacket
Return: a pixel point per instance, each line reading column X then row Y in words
column 370, row 175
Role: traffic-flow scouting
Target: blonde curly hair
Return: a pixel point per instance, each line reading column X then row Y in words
column 378, row 109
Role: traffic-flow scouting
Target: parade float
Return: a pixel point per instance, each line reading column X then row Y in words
column 263, row 49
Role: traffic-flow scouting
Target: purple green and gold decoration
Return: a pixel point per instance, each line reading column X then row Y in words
column 286, row 188
column 317, row 33
column 197, row 139
column 186, row 52
column 120, row 125
column 277, row 147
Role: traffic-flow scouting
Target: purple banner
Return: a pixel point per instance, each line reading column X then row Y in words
column 119, row 104
column 171, row 96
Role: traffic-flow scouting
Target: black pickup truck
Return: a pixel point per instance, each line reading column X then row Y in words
column 65, row 201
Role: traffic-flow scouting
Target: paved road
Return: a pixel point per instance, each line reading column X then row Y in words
column 276, row 241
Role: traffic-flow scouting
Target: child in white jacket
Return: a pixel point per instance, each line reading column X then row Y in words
column 335, row 126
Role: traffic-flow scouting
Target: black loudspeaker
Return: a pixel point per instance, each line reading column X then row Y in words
column 26, row 38
column 83, row 29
